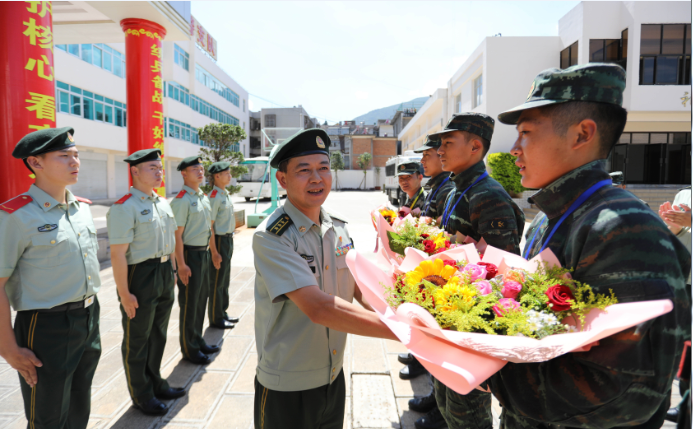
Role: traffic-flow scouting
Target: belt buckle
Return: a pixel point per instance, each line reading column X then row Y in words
column 207, row 249
column 89, row 301
column 164, row 259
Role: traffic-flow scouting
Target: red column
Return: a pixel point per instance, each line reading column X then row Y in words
column 145, row 86
column 27, row 92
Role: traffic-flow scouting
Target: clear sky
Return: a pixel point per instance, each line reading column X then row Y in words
column 343, row 59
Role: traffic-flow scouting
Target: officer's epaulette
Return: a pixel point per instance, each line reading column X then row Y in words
column 214, row 194
column 339, row 218
column 16, row 203
column 181, row 194
column 122, row 200
column 280, row 225
column 83, row 200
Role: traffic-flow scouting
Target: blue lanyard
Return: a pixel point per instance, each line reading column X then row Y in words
column 433, row 195
column 577, row 203
column 448, row 211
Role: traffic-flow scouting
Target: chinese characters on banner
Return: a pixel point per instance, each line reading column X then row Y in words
column 26, row 84
column 203, row 39
column 145, row 87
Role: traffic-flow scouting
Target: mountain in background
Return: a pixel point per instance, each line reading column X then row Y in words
column 388, row 112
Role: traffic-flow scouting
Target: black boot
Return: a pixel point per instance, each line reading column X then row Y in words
column 412, row 370
column 153, row 407
column 423, row 404
column 405, row 358
column 672, row 415
column 432, row 420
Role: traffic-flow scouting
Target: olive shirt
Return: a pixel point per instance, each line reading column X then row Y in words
column 292, row 252
column 438, row 189
column 145, row 222
column 612, row 241
column 485, row 211
column 222, row 211
column 49, row 252
column 193, row 211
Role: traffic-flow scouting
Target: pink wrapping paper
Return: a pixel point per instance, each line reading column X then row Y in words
column 463, row 360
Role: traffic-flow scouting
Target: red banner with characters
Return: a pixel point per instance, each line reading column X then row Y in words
column 145, row 87
column 27, row 87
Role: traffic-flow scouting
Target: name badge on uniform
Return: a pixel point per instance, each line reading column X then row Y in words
column 89, row 301
column 193, row 204
column 47, row 227
column 145, row 212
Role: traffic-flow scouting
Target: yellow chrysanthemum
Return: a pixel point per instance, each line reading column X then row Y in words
column 447, row 297
column 387, row 213
column 439, row 240
column 430, row 268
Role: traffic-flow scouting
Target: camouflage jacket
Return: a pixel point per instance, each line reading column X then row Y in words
column 418, row 201
column 486, row 210
column 612, row 242
column 437, row 193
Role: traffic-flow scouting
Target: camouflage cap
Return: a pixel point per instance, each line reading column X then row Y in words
column 617, row 177
column 596, row 82
column 475, row 123
column 432, row 142
column 407, row 168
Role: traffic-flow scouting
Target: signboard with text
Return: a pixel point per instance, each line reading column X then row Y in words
column 203, row 39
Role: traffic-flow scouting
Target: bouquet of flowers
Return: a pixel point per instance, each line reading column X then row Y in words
column 425, row 237
column 390, row 216
column 464, row 318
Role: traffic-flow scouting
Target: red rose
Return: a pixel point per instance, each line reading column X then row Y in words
column 450, row 262
column 491, row 270
column 559, row 296
column 429, row 246
column 424, row 236
column 401, row 213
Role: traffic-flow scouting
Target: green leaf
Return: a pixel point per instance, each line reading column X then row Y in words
column 395, row 242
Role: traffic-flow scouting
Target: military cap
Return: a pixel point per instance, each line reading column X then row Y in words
column 617, row 177
column 143, row 155
column 218, row 167
column 432, row 142
column 475, row 123
column 44, row 141
column 188, row 162
column 595, row 82
column 304, row 142
column 407, row 168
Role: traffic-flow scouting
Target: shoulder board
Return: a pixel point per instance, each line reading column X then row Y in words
column 214, row 193
column 122, row 200
column 16, row 203
column 181, row 194
column 339, row 218
column 280, row 225
column 83, row 200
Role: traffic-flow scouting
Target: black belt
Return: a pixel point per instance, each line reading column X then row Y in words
column 159, row 260
column 69, row 306
column 225, row 235
column 196, row 248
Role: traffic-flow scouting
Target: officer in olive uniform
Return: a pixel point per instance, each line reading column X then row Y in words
column 221, row 247
column 409, row 177
column 141, row 232
column 303, row 296
column 478, row 207
column 610, row 241
column 194, row 219
column 49, row 273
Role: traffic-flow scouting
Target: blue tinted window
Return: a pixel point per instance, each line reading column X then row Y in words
column 98, row 110
column 88, row 108
column 86, row 53
column 73, row 49
column 96, row 56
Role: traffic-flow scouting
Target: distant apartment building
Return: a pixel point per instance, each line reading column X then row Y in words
column 651, row 40
column 275, row 124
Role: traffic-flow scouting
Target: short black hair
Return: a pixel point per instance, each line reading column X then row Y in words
column 485, row 143
column 284, row 166
column 610, row 119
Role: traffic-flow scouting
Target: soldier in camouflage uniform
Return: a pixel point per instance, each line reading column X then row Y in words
column 478, row 207
column 409, row 177
column 567, row 126
column 439, row 184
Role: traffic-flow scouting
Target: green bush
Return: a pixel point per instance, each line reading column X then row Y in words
column 504, row 170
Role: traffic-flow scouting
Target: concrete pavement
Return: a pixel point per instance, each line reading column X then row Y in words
column 220, row 395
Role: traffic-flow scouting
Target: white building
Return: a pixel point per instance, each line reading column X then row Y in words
column 655, row 148
column 90, row 91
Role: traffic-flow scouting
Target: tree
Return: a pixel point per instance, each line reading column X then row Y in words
column 504, row 170
column 337, row 161
column 218, row 139
column 364, row 161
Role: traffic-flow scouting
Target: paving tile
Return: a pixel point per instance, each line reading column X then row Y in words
column 109, row 400
column 105, row 325
column 246, row 326
column 18, row 423
column 4, row 391
column 109, row 341
column 134, row 418
column 13, row 403
column 9, row 378
column 233, row 350
column 5, row 421
column 245, row 380
column 420, row 386
column 407, row 417
column 172, row 349
column 234, row 412
column 95, row 424
column 213, row 336
column 373, row 402
column 109, row 366
column 179, row 372
column 244, row 295
column 368, row 356
column 202, row 396
column 235, row 286
column 245, row 275
column 4, row 367
column 394, row 347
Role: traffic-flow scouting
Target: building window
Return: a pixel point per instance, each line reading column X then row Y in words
column 204, row 77
column 86, row 104
column 569, row 56
column 270, row 121
column 100, row 55
column 458, row 103
column 182, row 131
column 665, row 54
column 180, row 93
column 653, row 158
column 244, row 105
column 477, row 91
column 181, row 57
